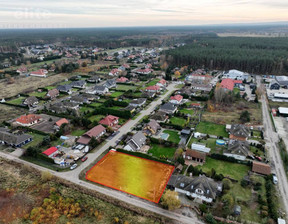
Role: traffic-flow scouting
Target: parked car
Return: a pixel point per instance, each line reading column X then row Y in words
column 251, row 157
column 84, row 159
column 73, row 166
column 275, row 179
column 258, row 158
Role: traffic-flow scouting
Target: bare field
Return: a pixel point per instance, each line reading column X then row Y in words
column 9, row 112
column 28, row 84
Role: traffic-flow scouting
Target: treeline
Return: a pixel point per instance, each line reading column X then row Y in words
column 253, row 55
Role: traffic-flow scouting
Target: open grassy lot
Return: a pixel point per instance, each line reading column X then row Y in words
column 211, row 129
column 96, row 118
column 187, row 111
column 116, row 94
column 125, row 87
column 231, row 113
column 78, row 132
column 9, row 112
column 160, row 150
column 17, row 101
column 233, row 170
column 28, row 84
column 38, row 94
column 37, row 138
column 173, row 136
column 152, row 82
column 178, row 121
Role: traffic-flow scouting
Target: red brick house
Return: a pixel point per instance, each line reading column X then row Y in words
column 110, row 121
column 28, row 120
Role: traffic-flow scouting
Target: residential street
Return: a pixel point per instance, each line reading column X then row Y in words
column 271, row 139
column 73, row 175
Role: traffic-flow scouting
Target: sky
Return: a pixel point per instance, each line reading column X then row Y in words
column 125, row 13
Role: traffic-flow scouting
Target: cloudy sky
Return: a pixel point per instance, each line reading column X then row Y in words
column 119, row 13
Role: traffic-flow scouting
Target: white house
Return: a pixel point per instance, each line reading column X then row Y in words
column 235, row 74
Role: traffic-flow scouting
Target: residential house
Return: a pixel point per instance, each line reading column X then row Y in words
column 136, row 142
column 239, row 132
column 129, row 108
column 159, row 116
column 110, row 83
column 198, row 78
column 63, row 107
column 168, row 108
column 200, row 147
column 53, row 93
column 98, row 89
column 109, row 121
column 202, row 87
column 50, row 152
column 122, row 80
column 145, row 71
column 152, row 127
column 60, row 122
column 28, row 120
column 139, row 102
column 13, row 139
column 114, row 72
column 228, row 84
column 94, row 79
column 274, row 85
column 95, row 132
column 195, row 105
column 261, row 168
column 79, row 99
column 282, row 81
column 39, row 73
column 202, row 187
column 81, row 84
column 237, row 149
column 235, row 74
column 31, row 101
column 162, row 83
column 22, row 70
column 194, row 156
column 65, row 88
column 153, row 89
column 148, row 94
column 177, row 99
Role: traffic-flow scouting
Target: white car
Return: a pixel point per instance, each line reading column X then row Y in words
column 275, row 179
column 73, row 166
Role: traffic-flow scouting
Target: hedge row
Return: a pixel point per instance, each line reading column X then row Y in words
column 230, row 159
column 32, row 130
column 175, row 126
column 15, row 105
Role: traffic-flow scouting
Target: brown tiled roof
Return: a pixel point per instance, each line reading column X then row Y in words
column 195, row 154
column 261, row 168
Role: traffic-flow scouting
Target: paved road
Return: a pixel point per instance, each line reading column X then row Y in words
column 271, row 138
column 73, row 175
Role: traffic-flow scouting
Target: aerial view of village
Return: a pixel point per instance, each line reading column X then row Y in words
column 132, row 125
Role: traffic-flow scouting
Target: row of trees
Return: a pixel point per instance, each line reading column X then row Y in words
column 254, row 55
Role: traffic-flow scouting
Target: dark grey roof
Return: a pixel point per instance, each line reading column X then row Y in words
column 129, row 108
column 11, row 138
column 100, row 88
column 78, row 83
column 208, row 186
column 159, row 116
column 109, row 83
column 64, row 88
column 154, row 125
column 238, row 147
column 93, row 78
column 138, row 101
column 139, row 138
column 79, row 99
column 282, row 80
column 31, row 100
column 168, row 107
column 240, row 130
column 186, row 131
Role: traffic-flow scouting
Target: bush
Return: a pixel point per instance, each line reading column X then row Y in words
column 46, row 176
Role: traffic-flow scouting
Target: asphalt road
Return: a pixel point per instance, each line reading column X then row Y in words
column 271, row 139
column 73, row 175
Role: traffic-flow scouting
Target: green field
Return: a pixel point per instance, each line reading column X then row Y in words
column 86, row 109
column 160, row 150
column 178, row 121
column 50, row 87
column 211, row 129
column 187, row 111
column 152, row 83
column 173, row 136
column 96, row 118
column 38, row 94
column 233, row 170
column 78, row 132
column 96, row 104
column 125, row 87
column 116, row 94
column 17, row 101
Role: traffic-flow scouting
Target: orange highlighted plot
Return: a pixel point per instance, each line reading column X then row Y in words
column 140, row 177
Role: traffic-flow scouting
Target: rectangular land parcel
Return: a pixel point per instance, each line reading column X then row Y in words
column 140, row 177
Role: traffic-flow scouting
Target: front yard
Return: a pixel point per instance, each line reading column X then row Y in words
column 212, row 129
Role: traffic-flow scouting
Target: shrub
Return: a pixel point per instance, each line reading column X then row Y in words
column 46, row 176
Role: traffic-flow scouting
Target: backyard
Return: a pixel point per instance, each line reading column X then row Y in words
column 178, row 121
column 162, row 151
column 212, row 129
column 125, row 87
column 9, row 112
column 173, row 136
column 116, row 94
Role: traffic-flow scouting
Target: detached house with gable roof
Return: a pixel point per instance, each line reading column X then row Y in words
column 28, row 120
column 53, row 93
column 237, row 149
column 95, row 132
column 13, row 139
column 202, row 187
column 177, row 99
column 40, row 73
column 168, row 108
column 136, row 142
column 110, row 121
column 239, row 132
column 31, row 101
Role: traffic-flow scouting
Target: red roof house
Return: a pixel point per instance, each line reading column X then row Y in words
column 28, row 120
column 62, row 121
column 49, row 152
column 229, row 83
column 95, row 132
column 110, row 121
column 177, row 99
column 39, row 73
column 53, row 93
column 153, row 89
column 122, row 79
column 261, row 168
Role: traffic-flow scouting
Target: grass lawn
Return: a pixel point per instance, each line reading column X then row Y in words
column 86, row 109
column 78, row 132
column 96, row 118
column 36, row 139
column 236, row 90
column 96, row 104
column 125, row 87
column 178, row 121
column 173, row 136
column 50, row 87
column 233, row 170
column 210, row 143
column 153, row 82
column 138, row 94
column 38, row 94
column 122, row 121
column 187, row 111
column 211, row 129
column 160, row 150
column 116, row 94
column 17, row 101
